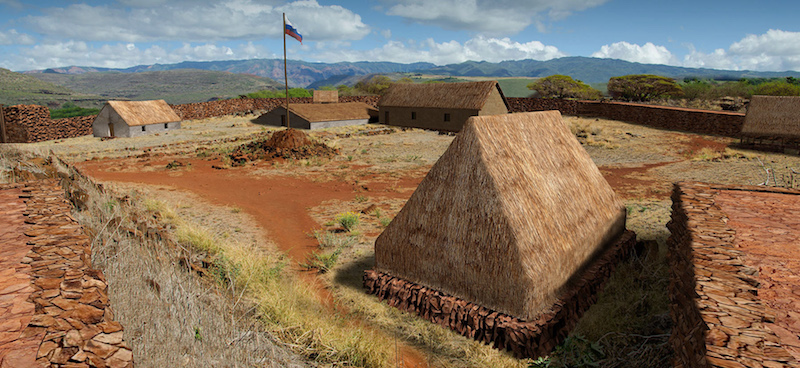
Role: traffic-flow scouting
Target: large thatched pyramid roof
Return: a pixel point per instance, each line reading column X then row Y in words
column 511, row 211
column 773, row 116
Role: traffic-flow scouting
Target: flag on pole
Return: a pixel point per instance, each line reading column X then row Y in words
column 293, row 32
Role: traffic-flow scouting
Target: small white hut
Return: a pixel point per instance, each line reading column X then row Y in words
column 135, row 118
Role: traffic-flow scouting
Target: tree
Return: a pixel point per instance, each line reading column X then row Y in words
column 563, row 86
column 777, row 88
column 376, row 85
column 643, row 87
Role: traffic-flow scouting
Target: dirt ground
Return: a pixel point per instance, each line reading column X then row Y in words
column 280, row 204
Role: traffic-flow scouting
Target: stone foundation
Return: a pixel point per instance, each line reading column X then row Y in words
column 525, row 339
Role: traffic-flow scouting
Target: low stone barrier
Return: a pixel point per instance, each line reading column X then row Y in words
column 718, row 318
column 70, row 298
column 525, row 339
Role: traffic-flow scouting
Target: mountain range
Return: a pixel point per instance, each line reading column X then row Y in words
column 303, row 74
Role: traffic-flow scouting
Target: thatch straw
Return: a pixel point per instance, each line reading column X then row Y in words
column 315, row 113
column 137, row 113
column 326, row 96
column 511, row 211
column 468, row 95
column 773, row 116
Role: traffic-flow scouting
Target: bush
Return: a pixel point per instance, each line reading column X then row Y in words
column 293, row 92
column 643, row 87
column 563, row 86
column 348, row 220
column 777, row 88
column 69, row 110
column 376, row 85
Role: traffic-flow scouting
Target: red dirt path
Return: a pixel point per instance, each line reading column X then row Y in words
column 279, row 203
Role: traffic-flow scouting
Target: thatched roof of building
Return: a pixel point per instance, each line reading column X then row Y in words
column 137, row 113
column 467, row 95
column 321, row 96
column 511, row 211
column 773, row 116
column 331, row 112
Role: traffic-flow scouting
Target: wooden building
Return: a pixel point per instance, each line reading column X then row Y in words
column 440, row 106
column 321, row 115
column 135, row 118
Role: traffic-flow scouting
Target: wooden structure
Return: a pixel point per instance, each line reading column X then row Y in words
column 134, row 118
column 440, row 106
column 3, row 133
column 773, row 123
column 319, row 116
column 321, row 96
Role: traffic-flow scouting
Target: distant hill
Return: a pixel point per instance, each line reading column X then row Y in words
column 301, row 73
column 591, row 70
column 174, row 86
column 17, row 88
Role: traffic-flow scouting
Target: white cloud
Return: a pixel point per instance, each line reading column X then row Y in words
column 647, row 54
column 490, row 17
column 775, row 50
column 478, row 49
column 122, row 55
column 12, row 3
column 12, row 37
column 207, row 21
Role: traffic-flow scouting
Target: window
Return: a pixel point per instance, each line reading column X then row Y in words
column 446, row 117
column 166, row 125
column 144, row 128
column 283, row 120
column 413, row 115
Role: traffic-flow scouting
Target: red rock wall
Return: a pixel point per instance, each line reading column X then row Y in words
column 567, row 107
column 718, row 320
column 728, row 124
column 525, row 339
column 71, row 305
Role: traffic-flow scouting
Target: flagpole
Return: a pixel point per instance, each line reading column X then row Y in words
column 285, row 71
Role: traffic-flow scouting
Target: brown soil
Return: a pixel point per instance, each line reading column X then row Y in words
column 287, row 144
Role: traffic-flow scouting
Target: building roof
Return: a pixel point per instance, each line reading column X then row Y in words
column 137, row 113
column 331, row 112
column 506, row 217
column 325, row 96
column 773, row 116
column 467, row 95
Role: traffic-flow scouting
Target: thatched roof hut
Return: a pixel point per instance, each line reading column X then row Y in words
column 321, row 96
column 440, row 106
column 317, row 116
column 132, row 118
column 772, row 117
column 511, row 211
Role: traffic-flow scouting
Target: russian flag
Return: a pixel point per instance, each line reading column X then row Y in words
column 293, row 32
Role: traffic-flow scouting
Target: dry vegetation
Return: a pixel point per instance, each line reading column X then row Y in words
column 253, row 306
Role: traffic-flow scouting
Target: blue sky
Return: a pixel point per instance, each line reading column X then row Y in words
column 731, row 34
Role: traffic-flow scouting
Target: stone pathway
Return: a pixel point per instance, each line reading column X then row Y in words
column 16, row 349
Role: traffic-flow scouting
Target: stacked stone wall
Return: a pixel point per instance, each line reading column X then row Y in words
column 718, row 319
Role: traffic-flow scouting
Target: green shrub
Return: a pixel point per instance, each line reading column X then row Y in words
column 563, row 86
column 321, row 261
column 293, row 92
column 348, row 220
column 69, row 110
column 643, row 87
column 777, row 88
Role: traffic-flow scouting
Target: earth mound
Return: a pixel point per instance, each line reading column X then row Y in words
column 286, row 144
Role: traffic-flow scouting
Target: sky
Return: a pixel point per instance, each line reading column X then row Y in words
column 731, row 34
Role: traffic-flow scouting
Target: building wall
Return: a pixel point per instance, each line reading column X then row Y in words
column 494, row 104
column 100, row 125
column 426, row 118
column 275, row 118
column 337, row 123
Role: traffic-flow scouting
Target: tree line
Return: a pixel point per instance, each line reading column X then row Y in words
column 647, row 87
